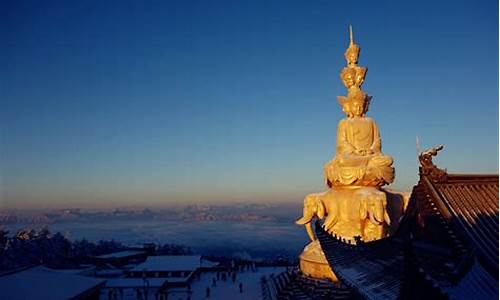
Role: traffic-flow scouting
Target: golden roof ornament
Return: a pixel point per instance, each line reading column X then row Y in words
column 427, row 166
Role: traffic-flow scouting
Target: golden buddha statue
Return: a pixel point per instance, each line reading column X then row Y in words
column 354, row 207
column 358, row 159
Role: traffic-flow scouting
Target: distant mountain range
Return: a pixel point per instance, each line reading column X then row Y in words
column 188, row 213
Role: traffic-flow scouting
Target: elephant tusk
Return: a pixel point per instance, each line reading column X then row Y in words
column 386, row 218
column 362, row 213
column 331, row 220
column 379, row 215
column 372, row 219
column 304, row 220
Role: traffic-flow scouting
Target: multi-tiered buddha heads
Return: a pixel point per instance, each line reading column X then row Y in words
column 353, row 77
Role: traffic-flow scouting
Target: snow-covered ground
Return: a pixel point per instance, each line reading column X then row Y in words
column 229, row 290
column 223, row 290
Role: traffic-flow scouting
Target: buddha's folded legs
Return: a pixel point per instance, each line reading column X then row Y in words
column 380, row 160
column 350, row 160
column 373, row 170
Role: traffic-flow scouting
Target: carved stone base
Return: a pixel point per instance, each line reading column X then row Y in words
column 313, row 263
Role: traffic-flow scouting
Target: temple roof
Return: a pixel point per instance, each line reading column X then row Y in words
column 399, row 268
column 470, row 204
column 121, row 254
column 373, row 270
column 44, row 283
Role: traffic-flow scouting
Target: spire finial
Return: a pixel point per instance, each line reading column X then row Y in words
column 350, row 36
column 352, row 52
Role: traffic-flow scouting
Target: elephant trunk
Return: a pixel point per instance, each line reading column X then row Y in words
column 306, row 221
column 307, row 216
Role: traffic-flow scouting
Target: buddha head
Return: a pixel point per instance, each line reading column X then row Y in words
column 358, row 102
column 352, row 54
column 348, row 76
column 357, row 108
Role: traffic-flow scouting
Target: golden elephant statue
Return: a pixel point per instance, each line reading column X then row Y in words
column 366, row 212
column 373, row 214
column 313, row 207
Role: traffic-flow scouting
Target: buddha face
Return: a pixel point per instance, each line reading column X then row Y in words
column 348, row 77
column 346, row 108
column 351, row 55
column 357, row 108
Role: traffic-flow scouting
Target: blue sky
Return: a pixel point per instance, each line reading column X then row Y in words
column 119, row 103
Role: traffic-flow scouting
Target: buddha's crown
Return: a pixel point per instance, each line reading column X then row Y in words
column 353, row 77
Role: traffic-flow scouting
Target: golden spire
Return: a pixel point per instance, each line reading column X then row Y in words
column 352, row 52
column 350, row 36
column 353, row 77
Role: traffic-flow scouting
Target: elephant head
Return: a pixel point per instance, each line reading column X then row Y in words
column 313, row 207
column 373, row 206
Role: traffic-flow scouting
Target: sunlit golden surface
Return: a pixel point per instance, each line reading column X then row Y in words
column 354, row 205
